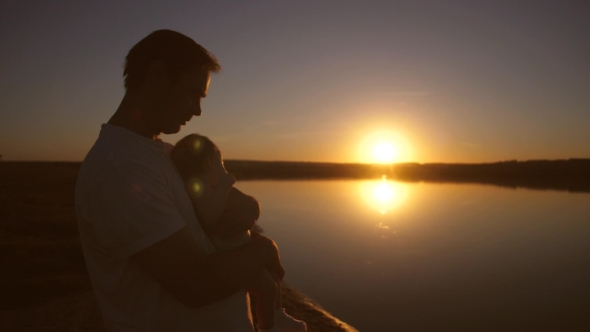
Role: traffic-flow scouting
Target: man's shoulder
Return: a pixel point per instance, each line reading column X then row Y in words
column 117, row 146
column 113, row 156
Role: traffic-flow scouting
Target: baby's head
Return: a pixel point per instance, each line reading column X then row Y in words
column 191, row 155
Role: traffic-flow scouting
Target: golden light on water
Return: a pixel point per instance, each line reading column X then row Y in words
column 384, row 147
column 383, row 195
column 384, row 192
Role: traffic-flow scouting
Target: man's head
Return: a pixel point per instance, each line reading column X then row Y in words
column 172, row 71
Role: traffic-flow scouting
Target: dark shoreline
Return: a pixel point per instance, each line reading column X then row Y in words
column 572, row 175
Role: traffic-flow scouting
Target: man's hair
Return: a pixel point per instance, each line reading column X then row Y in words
column 172, row 48
column 190, row 155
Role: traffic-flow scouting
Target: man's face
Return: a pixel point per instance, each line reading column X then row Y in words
column 182, row 100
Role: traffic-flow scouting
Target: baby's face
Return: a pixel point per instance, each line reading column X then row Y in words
column 215, row 166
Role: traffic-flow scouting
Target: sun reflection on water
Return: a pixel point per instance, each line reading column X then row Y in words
column 383, row 195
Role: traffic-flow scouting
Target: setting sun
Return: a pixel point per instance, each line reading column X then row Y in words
column 384, row 147
column 384, row 152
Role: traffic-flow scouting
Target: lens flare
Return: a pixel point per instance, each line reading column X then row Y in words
column 197, row 144
column 196, row 187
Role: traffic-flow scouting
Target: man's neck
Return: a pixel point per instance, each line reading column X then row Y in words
column 133, row 114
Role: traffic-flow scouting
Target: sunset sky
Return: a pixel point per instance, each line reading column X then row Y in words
column 440, row 81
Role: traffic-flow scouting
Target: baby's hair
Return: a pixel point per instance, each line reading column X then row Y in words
column 190, row 155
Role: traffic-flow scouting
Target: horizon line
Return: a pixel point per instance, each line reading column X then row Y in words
column 343, row 163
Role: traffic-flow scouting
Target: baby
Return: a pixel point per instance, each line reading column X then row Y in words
column 227, row 215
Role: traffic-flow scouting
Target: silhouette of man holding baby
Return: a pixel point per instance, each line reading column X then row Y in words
column 167, row 241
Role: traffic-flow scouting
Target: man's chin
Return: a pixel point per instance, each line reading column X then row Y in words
column 171, row 130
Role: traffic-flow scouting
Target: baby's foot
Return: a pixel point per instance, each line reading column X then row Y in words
column 288, row 323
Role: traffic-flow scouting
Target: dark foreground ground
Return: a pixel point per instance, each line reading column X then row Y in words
column 44, row 284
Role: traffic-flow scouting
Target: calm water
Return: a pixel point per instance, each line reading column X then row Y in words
column 388, row 256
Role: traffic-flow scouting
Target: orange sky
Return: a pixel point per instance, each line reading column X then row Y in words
column 314, row 82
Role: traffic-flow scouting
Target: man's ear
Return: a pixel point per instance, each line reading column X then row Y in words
column 157, row 76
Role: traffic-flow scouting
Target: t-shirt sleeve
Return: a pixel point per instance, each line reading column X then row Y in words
column 131, row 209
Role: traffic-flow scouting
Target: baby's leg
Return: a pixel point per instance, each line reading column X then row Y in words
column 282, row 318
column 265, row 289
column 279, row 299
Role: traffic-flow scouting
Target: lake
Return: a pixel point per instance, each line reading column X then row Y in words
column 394, row 256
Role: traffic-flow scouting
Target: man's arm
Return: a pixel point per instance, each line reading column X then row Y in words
column 196, row 279
column 134, row 215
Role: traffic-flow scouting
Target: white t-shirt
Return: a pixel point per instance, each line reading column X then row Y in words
column 129, row 196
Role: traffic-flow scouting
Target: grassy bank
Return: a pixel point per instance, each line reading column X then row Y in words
column 44, row 281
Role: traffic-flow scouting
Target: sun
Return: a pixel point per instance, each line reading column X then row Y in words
column 384, row 147
column 385, row 152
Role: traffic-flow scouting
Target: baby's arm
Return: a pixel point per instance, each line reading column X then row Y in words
column 240, row 214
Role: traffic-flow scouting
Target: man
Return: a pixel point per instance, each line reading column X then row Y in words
column 152, row 267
